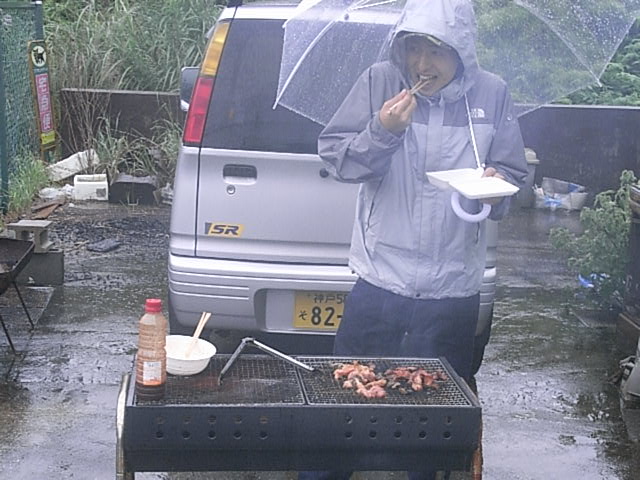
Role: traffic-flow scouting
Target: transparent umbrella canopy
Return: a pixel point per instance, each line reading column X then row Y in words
column 543, row 49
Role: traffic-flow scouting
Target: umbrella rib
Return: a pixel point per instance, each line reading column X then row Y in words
column 572, row 49
column 299, row 62
column 360, row 5
column 306, row 52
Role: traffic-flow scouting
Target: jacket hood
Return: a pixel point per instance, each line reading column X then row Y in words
column 450, row 21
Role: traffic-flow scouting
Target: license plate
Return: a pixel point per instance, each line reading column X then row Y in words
column 318, row 310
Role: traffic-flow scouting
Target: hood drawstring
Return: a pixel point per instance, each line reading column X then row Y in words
column 473, row 135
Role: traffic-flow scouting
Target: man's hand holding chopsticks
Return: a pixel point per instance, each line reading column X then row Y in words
column 395, row 114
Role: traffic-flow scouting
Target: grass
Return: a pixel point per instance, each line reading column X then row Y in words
column 25, row 181
column 120, row 152
column 119, row 45
column 126, row 44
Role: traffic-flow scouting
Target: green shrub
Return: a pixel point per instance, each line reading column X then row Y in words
column 600, row 253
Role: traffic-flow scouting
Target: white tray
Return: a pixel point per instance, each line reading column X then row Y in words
column 443, row 178
column 470, row 184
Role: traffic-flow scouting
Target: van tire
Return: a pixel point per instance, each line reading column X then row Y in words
column 176, row 328
column 225, row 341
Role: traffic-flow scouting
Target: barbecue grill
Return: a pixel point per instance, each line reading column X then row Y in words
column 14, row 256
column 269, row 415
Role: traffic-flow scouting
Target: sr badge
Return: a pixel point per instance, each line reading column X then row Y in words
column 223, row 229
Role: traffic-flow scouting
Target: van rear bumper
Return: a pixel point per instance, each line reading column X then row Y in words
column 237, row 292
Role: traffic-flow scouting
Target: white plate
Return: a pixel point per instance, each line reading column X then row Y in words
column 470, row 183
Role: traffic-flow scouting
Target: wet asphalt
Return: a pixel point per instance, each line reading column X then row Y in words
column 549, row 408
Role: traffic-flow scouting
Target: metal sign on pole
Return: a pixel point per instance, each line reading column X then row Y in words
column 4, row 171
column 39, row 69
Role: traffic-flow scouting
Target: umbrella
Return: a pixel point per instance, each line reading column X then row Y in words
column 327, row 45
column 543, row 49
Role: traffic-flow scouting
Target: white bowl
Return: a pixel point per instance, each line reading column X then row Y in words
column 179, row 364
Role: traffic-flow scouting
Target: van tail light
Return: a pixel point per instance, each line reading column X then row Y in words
column 197, row 115
column 203, row 90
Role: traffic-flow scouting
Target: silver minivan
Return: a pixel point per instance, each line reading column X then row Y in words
column 259, row 230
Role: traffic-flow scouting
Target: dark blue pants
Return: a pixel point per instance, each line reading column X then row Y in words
column 379, row 323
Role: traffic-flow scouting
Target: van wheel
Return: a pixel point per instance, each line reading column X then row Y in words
column 479, row 344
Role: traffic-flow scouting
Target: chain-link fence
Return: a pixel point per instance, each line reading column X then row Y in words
column 20, row 22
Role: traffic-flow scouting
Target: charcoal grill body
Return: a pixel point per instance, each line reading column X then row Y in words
column 14, row 256
column 268, row 415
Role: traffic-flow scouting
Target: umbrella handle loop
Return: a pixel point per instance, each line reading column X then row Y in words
column 466, row 216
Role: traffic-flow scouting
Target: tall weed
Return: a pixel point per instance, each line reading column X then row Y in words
column 126, row 44
column 120, row 152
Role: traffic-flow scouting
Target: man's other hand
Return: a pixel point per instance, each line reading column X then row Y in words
column 492, row 172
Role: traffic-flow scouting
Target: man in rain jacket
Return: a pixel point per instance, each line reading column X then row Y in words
column 420, row 267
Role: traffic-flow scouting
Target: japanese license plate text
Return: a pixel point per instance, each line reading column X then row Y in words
column 318, row 310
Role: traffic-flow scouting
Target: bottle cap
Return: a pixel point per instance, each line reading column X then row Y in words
column 153, row 305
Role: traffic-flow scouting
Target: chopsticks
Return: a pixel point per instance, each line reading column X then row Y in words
column 412, row 91
column 204, row 318
column 419, row 85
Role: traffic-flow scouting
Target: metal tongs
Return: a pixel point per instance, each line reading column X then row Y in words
column 271, row 351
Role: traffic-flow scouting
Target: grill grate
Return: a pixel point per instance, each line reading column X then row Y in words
column 253, row 380
column 264, row 380
column 321, row 389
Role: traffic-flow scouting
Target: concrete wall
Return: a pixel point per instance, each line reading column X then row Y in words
column 83, row 111
column 588, row 145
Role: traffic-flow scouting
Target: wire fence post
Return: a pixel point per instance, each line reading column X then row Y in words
column 38, row 20
column 4, row 176
column 20, row 22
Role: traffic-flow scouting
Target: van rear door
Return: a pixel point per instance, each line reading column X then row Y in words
column 263, row 194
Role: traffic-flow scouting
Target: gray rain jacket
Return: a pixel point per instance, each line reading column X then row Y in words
column 406, row 237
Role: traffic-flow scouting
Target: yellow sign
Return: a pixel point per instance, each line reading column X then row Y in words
column 49, row 137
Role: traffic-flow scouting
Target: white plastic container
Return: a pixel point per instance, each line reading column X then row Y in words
column 91, row 187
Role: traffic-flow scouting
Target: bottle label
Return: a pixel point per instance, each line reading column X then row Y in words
column 151, row 372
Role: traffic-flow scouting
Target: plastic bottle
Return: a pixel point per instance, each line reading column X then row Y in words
column 151, row 360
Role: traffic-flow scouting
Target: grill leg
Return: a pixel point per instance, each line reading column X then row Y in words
column 476, row 465
column 23, row 304
column 476, row 462
column 6, row 332
column 121, row 469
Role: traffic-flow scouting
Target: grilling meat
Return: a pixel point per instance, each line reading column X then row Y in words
column 416, row 378
column 361, row 378
column 355, row 369
column 369, row 384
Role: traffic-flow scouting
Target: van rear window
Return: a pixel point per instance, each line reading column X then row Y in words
column 241, row 116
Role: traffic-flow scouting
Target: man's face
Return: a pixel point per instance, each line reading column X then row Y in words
column 435, row 65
